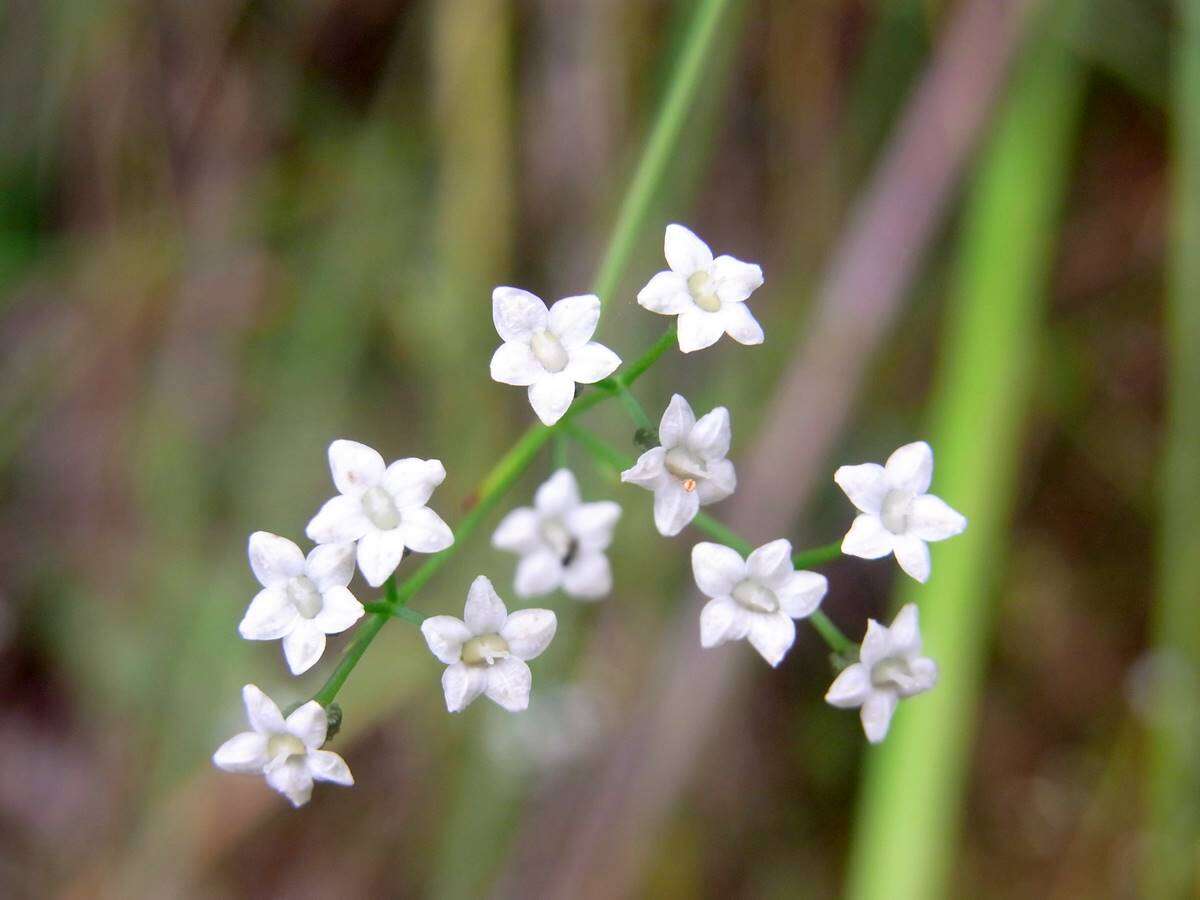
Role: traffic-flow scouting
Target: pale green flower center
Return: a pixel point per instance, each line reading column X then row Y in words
column 704, row 291
column 304, row 596
column 484, row 650
column 754, row 596
column 684, row 466
column 556, row 536
column 285, row 745
column 549, row 351
column 894, row 512
column 380, row 508
column 892, row 672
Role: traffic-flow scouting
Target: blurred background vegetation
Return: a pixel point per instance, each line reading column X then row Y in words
column 231, row 231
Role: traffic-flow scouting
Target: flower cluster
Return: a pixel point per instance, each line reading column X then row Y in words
column 381, row 514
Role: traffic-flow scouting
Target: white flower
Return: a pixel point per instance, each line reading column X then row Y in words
column 302, row 600
column 890, row 667
column 381, row 508
column 561, row 541
column 709, row 295
column 288, row 752
column 689, row 470
column 756, row 598
column 486, row 653
column 548, row 350
column 897, row 515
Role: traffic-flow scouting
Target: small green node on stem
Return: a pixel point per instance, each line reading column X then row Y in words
column 333, row 720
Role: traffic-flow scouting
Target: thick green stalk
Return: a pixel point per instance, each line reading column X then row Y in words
column 1173, row 776
column 911, row 803
column 661, row 145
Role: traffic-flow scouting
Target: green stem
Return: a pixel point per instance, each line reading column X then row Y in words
column 395, row 612
column 618, row 461
column 660, row 146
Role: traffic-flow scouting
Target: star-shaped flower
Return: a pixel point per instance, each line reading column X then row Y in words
column 287, row 751
column 709, row 295
column 756, row 598
column 381, row 508
column 897, row 515
column 689, row 469
column 890, row 667
column 486, row 653
column 548, row 350
column 561, row 541
column 302, row 600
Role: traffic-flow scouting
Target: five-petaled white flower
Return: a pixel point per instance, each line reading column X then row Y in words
column 486, row 653
column 561, row 541
column 756, row 598
column 689, row 469
column 548, row 350
column 288, row 752
column 896, row 514
column 890, row 667
column 302, row 600
column 709, row 295
column 381, row 508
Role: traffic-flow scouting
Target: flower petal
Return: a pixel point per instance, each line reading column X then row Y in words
column 592, row 524
column 528, row 632
column 461, row 684
column 772, row 635
column 379, row 553
column 913, row 555
column 355, row 467
column 573, row 320
column 518, row 531
column 710, row 436
column 905, row 631
column 557, row 494
column 910, row 468
column 310, row 724
column 649, row 469
column 720, row 483
column 851, row 688
column 932, row 519
column 411, row 482
column 424, row 531
column 867, row 538
column 735, row 280
column 876, row 714
column 800, row 593
column 876, row 645
column 741, row 325
column 261, row 712
column 244, row 753
column 924, row 676
column 676, row 423
column 339, row 610
column 717, row 569
column 674, row 507
column 591, row 362
column 508, row 684
column 330, row 565
column 340, row 520
column 538, row 573
column 274, row 559
column 666, row 294
column 699, row 329
column 269, row 616
column 514, row 363
column 685, row 253
column 551, row 395
column 588, row 577
column 866, row 485
column 723, row 619
column 445, row 636
column 485, row 612
column 770, row 562
column 325, row 765
column 303, row 646
column 292, row 779
column 517, row 314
